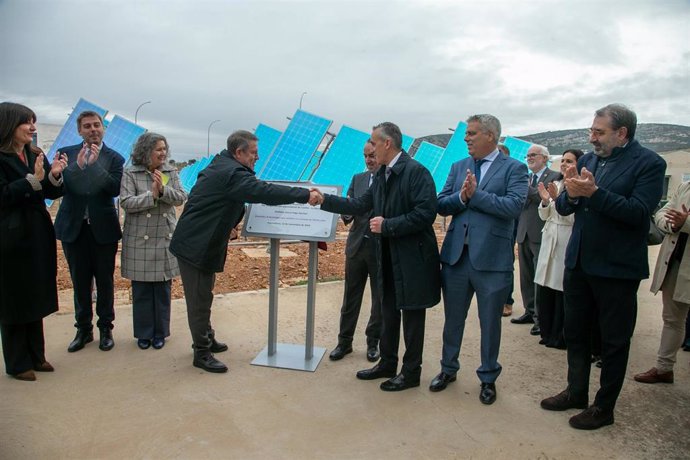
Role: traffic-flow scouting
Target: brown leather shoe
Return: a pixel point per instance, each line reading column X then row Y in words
column 44, row 367
column 507, row 310
column 654, row 376
column 27, row 376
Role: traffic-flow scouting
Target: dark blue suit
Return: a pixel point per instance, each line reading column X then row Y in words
column 605, row 260
column 90, row 245
column 477, row 256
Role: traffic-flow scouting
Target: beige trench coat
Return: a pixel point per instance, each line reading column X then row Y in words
column 682, row 292
column 149, row 224
column 554, row 239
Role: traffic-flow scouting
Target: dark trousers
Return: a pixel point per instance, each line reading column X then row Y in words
column 413, row 322
column 89, row 260
column 551, row 310
column 151, row 309
column 614, row 303
column 358, row 268
column 198, row 293
column 528, row 253
column 23, row 346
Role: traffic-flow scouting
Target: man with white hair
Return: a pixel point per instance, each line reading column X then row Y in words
column 529, row 233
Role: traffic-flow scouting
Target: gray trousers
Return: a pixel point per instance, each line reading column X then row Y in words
column 674, row 314
column 528, row 254
column 198, row 294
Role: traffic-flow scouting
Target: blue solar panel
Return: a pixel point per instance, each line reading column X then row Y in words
column 68, row 134
column 518, row 148
column 268, row 138
column 343, row 159
column 407, row 142
column 455, row 150
column 190, row 173
column 121, row 136
column 295, row 147
column 429, row 155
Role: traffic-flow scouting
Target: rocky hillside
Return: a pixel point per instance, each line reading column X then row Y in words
column 656, row 136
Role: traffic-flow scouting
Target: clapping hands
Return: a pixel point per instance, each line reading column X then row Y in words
column 578, row 185
column 677, row 217
column 59, row 164
column 468, row 187
column 157, row 186
column 548, row 192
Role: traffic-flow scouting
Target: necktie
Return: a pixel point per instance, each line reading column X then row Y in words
column 478, row 169
column 371, row 178
column 533, row 183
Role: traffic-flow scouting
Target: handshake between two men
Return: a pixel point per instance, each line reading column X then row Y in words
column 316, row 198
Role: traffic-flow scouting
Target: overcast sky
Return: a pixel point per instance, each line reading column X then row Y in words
column 537, row 65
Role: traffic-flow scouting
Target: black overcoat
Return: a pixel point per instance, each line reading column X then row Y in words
column 407, row 202
column 28, row 260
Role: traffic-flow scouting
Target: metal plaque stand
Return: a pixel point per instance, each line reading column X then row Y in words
column 282, row 355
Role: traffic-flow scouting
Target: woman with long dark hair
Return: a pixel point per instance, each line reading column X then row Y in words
column 28, row 258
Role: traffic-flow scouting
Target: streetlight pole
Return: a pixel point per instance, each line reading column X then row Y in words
column 208, row 138
column 300, row 100
column 137, row 111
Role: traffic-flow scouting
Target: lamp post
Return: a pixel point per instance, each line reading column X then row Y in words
column 300, row 100
column 137, row 111
column 208, row 138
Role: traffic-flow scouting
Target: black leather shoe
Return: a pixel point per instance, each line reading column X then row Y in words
column 376, row 372
column 592, row 418
column 144, row 344
column 207, row 362
column 441, row 381
column 524, row 319
column 487, row 395
column 158, row 343
column 399, row 383
column 563, row 401
column 373, row 354
column 106, row 343
column 217, row 347
column 81, row 339
column 536, row 330
column 339, row 352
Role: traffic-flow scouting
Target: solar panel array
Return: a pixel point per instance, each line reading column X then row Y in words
column 455, row 150
column 429, row 155
column 268, row 138
column 407, row 142
column 69, row 134
column 295, row 147
column 121, row 136
column 518, row 148
column 190, row 173
column 343, row 159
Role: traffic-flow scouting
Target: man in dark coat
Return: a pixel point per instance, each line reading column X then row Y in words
column 88, row 226
column 360, row 264
column 612, row 193
column 529, row 229
column 403, row 200
column 200, row 241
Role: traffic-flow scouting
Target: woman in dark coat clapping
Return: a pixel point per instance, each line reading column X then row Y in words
column 28, row 260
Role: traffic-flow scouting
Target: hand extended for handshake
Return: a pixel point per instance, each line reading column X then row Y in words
column 316, row 198
column 578, row 185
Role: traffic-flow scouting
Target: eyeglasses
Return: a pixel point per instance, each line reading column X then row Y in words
column 532, row 155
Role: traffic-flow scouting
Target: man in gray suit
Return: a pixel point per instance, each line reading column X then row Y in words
column 360, row 263
column 529, row 233
column 484, row 194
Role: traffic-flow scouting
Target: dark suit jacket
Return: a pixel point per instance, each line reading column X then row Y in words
column 610, row 232
column 529, row 223
column 95, row 186
column 487, row 218
column 360, row 223
column 407, row 203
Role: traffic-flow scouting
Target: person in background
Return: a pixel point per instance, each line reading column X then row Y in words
column 508, row 307
column 360, row 264
column 149, row 192
column 672, row 278
column 28, row 257
column 89, row 228
column 548, row 276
